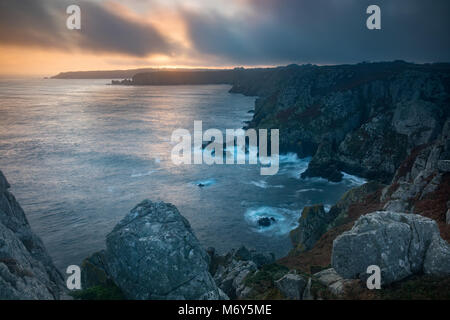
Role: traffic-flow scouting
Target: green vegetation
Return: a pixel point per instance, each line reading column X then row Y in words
column 418, row 288
column 110, row 292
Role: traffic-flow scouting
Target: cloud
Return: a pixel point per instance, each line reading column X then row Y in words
column 323, row 31
column 236, row 32
column 43, row 24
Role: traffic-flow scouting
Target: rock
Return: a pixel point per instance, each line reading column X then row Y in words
column 230, row 278
column 437, row 259
column 332, row 280
column 153, row 253
column 292, row 286
column 4, row 185
column 266, row 221
column 313, row 224
column 352, row 197
column 396, row 242
column 231, row 269
column 307, row 294
column 444, row 165
column 26, row 270
column 93, row 271
column 447, row 216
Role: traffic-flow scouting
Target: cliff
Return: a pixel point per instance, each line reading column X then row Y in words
column 362, row 119
column 26, row 270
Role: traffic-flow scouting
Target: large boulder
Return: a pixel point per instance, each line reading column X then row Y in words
column 437, row 259
column 292, row 286
column 396, row 242
column 153, row 254
column 26, row 270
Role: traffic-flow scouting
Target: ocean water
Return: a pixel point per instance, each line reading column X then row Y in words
column 81, row 154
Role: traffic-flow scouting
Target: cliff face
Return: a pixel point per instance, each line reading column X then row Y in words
column 26, row 270
column 363, row 119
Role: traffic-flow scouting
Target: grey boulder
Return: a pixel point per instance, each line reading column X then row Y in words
column 292, row 286
column 437, row 259
column 153, row 254
column 398, row 243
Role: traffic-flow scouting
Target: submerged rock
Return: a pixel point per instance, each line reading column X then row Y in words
column 266, row 221
column 26, row 270
column 398, row 243
column 153, row 253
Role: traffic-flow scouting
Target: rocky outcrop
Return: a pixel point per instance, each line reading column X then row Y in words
column 292, row 286
column 362, row 119
column 230, row 270
column 153, row 253
column 26, row 270
column 400, row 244
column 332, row 281
column 312, row 224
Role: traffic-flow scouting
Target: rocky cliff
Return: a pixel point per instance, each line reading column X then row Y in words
column 26, row 270
column 362, row 119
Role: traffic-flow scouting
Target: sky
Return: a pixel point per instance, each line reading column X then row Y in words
column 124, row 34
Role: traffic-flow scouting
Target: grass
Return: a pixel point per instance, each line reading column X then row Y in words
column 110, row 292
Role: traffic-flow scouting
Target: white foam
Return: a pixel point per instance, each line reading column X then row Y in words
column 206, row 183
column 310, row 190
column 143, row 174
column 264, row 185
column 354, row 180
column 285, row 219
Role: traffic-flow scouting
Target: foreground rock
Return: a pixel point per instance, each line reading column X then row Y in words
column 292, row 286
column 230, row 270
column 312, row 224
column 153, row 254
column 400, row 244
column 26, row 270
column 332, row 280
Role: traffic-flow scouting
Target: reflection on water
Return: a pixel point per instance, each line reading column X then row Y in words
column 80, row 154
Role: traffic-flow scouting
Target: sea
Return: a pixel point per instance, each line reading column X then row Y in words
column 80, row 154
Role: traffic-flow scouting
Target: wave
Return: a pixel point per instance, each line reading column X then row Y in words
column 264, row 185
column 143, row 174
column 284, row 220
column 354, row 180
column 310, row 190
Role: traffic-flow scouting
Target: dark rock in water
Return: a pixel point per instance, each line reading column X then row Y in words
column 201, row 185
column 266, row 221
column 153, row 254
column 251, row 111
column 26, row 270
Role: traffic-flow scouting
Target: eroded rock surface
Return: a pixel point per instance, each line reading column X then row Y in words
column 400, row 244
column 26, row 270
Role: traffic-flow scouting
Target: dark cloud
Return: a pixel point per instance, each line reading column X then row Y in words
column 266, row 32
column 43, row 23
column 325, row 31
